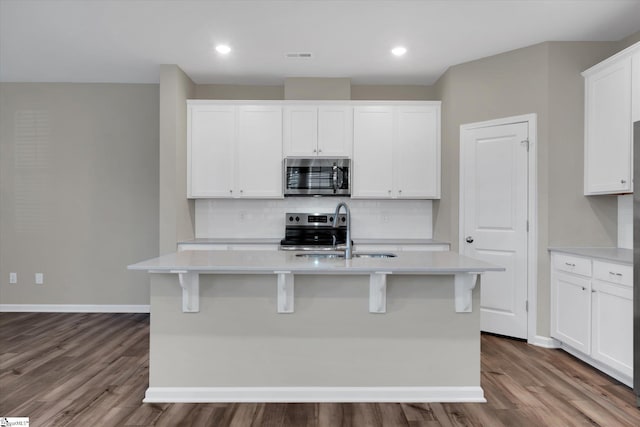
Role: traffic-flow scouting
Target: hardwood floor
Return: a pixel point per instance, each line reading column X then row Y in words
column 92, row 370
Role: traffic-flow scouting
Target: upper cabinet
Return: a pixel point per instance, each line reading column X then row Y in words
column 610, row 110
column 235, row 148
column 396, row 151
column 312, row 130
column 234, row 151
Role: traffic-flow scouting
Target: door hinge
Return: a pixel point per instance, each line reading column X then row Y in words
column 527, row 226
column 526, row 143
column 526, row 306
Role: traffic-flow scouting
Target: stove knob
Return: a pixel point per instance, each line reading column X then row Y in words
column 330, row 219
column 290, row 219
column 298, row 219
column 344, row 219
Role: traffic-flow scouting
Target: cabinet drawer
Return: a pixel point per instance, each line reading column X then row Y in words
column 614, row 273
column 572, row 264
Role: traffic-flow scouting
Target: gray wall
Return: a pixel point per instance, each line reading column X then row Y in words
column 177, row 214
column 212, row 91
column 358, row 92
column 78, row 191
column 543, row 79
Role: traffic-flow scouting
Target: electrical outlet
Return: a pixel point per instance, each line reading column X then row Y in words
column 39, row 278
column 13, row 278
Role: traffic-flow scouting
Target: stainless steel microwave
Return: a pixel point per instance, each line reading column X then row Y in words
column 317, row 176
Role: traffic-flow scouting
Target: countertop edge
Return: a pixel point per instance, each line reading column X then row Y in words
column 613, row 254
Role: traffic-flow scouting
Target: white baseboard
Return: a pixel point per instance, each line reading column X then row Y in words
column 545, row 342
column 313, row 394
column 74, row 308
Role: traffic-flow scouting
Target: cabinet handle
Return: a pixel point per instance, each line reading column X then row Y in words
column 241, row 191
column 320, row 150
column 230, row 191
column 584, row 289
column 623, row 181
column 315, row 151
column 399, row 191
column 570, row 264
column 615, row 274
column 389, row 191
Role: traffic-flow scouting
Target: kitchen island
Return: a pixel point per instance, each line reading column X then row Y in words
column 225, row 326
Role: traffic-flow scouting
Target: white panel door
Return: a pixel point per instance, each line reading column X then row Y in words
column 210, row 144
column 259, row 155
column 373, row 134
column 612, row 325
column 608, row 130
column 335, row 131
column 300, row 130
column 494, row 192
column 417, row 153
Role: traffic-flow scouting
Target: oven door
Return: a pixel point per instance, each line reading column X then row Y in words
column 316, row 176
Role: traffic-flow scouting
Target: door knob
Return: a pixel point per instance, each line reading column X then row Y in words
column 469, row 239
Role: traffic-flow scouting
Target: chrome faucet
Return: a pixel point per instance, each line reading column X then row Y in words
column 348, row 249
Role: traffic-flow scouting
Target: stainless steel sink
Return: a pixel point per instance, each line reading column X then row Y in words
column 374, row 255
column 320, row 255
column 339, row 255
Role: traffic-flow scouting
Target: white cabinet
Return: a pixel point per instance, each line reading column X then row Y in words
column 571, row 310
column 312, row 130
column 396, row 151
column 592, row 312
column 210, row 150
column 635, row 86
column 259, row 152
column 612, row 326
column 234, row 151
column 608, row 123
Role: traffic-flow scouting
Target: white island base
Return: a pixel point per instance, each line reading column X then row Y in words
column 238, row 348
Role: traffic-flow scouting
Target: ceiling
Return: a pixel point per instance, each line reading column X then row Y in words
column 125, row 41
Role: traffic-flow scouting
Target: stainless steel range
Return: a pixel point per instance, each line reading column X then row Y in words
column 313, row 232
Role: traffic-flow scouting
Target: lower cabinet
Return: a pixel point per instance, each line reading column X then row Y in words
column 592, row 312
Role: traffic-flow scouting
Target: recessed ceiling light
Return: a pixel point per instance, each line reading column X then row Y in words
column 223, row 49
column 399, row 50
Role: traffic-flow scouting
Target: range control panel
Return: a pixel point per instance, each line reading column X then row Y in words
column 314, row 219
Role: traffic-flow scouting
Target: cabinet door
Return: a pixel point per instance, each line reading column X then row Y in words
column 300, row 130
column 417, row 153
column 373, row 134
column 210, row 146
column 612, row 317
column 335, row 131
column 571, row 310
column 608, row 130
column 259, row 152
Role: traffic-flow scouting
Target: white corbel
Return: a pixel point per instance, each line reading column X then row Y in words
column 378, row 292
column 285, row 291
column 463, row 288
column 190, row 284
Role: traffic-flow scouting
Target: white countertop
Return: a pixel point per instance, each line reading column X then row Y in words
column 269, row 262
column 624, row 256
column 276, row 240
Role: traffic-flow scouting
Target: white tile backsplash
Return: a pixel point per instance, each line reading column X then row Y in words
column 396, row 219
column 625, row 221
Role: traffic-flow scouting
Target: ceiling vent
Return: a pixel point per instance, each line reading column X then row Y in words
column 299, row 55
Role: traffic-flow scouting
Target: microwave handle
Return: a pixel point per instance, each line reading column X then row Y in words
column 335, row 178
